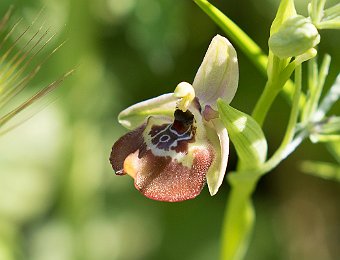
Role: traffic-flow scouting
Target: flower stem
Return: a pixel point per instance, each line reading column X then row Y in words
column 240, row 216
column 265, row 101
column 273, row 87
column 315, row 97
column 239, row 219
column 288, row 144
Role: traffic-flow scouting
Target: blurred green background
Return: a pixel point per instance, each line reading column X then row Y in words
column 59, row 198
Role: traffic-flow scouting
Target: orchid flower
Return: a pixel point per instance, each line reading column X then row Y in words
column 177, row 142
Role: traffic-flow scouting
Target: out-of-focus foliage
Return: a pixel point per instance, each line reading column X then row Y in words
column 58, row 196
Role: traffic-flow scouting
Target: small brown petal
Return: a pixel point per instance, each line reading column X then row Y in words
column 127, row 144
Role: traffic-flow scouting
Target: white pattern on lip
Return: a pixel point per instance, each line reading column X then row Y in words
column 164, row 138
column 170, row 134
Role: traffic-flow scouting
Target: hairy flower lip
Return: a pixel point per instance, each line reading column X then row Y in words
column 161, row 175
column 186, row 184
column 179, row 143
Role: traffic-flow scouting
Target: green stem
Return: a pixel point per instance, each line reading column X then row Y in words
column 312, row 85
column 239, row 219
column 315, row 98
column 264, row 103
column 316, row 81
column 238, row 36
column 282, row 153
column 332, row 96
column 288, row 145
column 317, row 7
column 271, row 90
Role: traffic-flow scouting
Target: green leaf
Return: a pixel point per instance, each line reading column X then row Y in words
column 246, row 135
column 331, row 24
column 334, row 149
column 323, row 170
column 330, row 18
column 331, row 126
column 328, row 130
column 328, row 101
column 315, row 10
column 286, row 10
column 332, row 13
column 317, row 138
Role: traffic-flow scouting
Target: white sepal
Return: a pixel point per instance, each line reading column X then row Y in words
column 217, row 77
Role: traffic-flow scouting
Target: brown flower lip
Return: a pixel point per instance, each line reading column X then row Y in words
column 150, row 158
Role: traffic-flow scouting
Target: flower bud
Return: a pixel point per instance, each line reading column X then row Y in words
column 294, row 37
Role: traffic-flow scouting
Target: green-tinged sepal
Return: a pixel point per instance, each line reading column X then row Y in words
column 136, row 115
column 246, row 135
column 296, row 36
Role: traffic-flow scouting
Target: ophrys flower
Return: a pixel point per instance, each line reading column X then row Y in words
column 178, row 142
